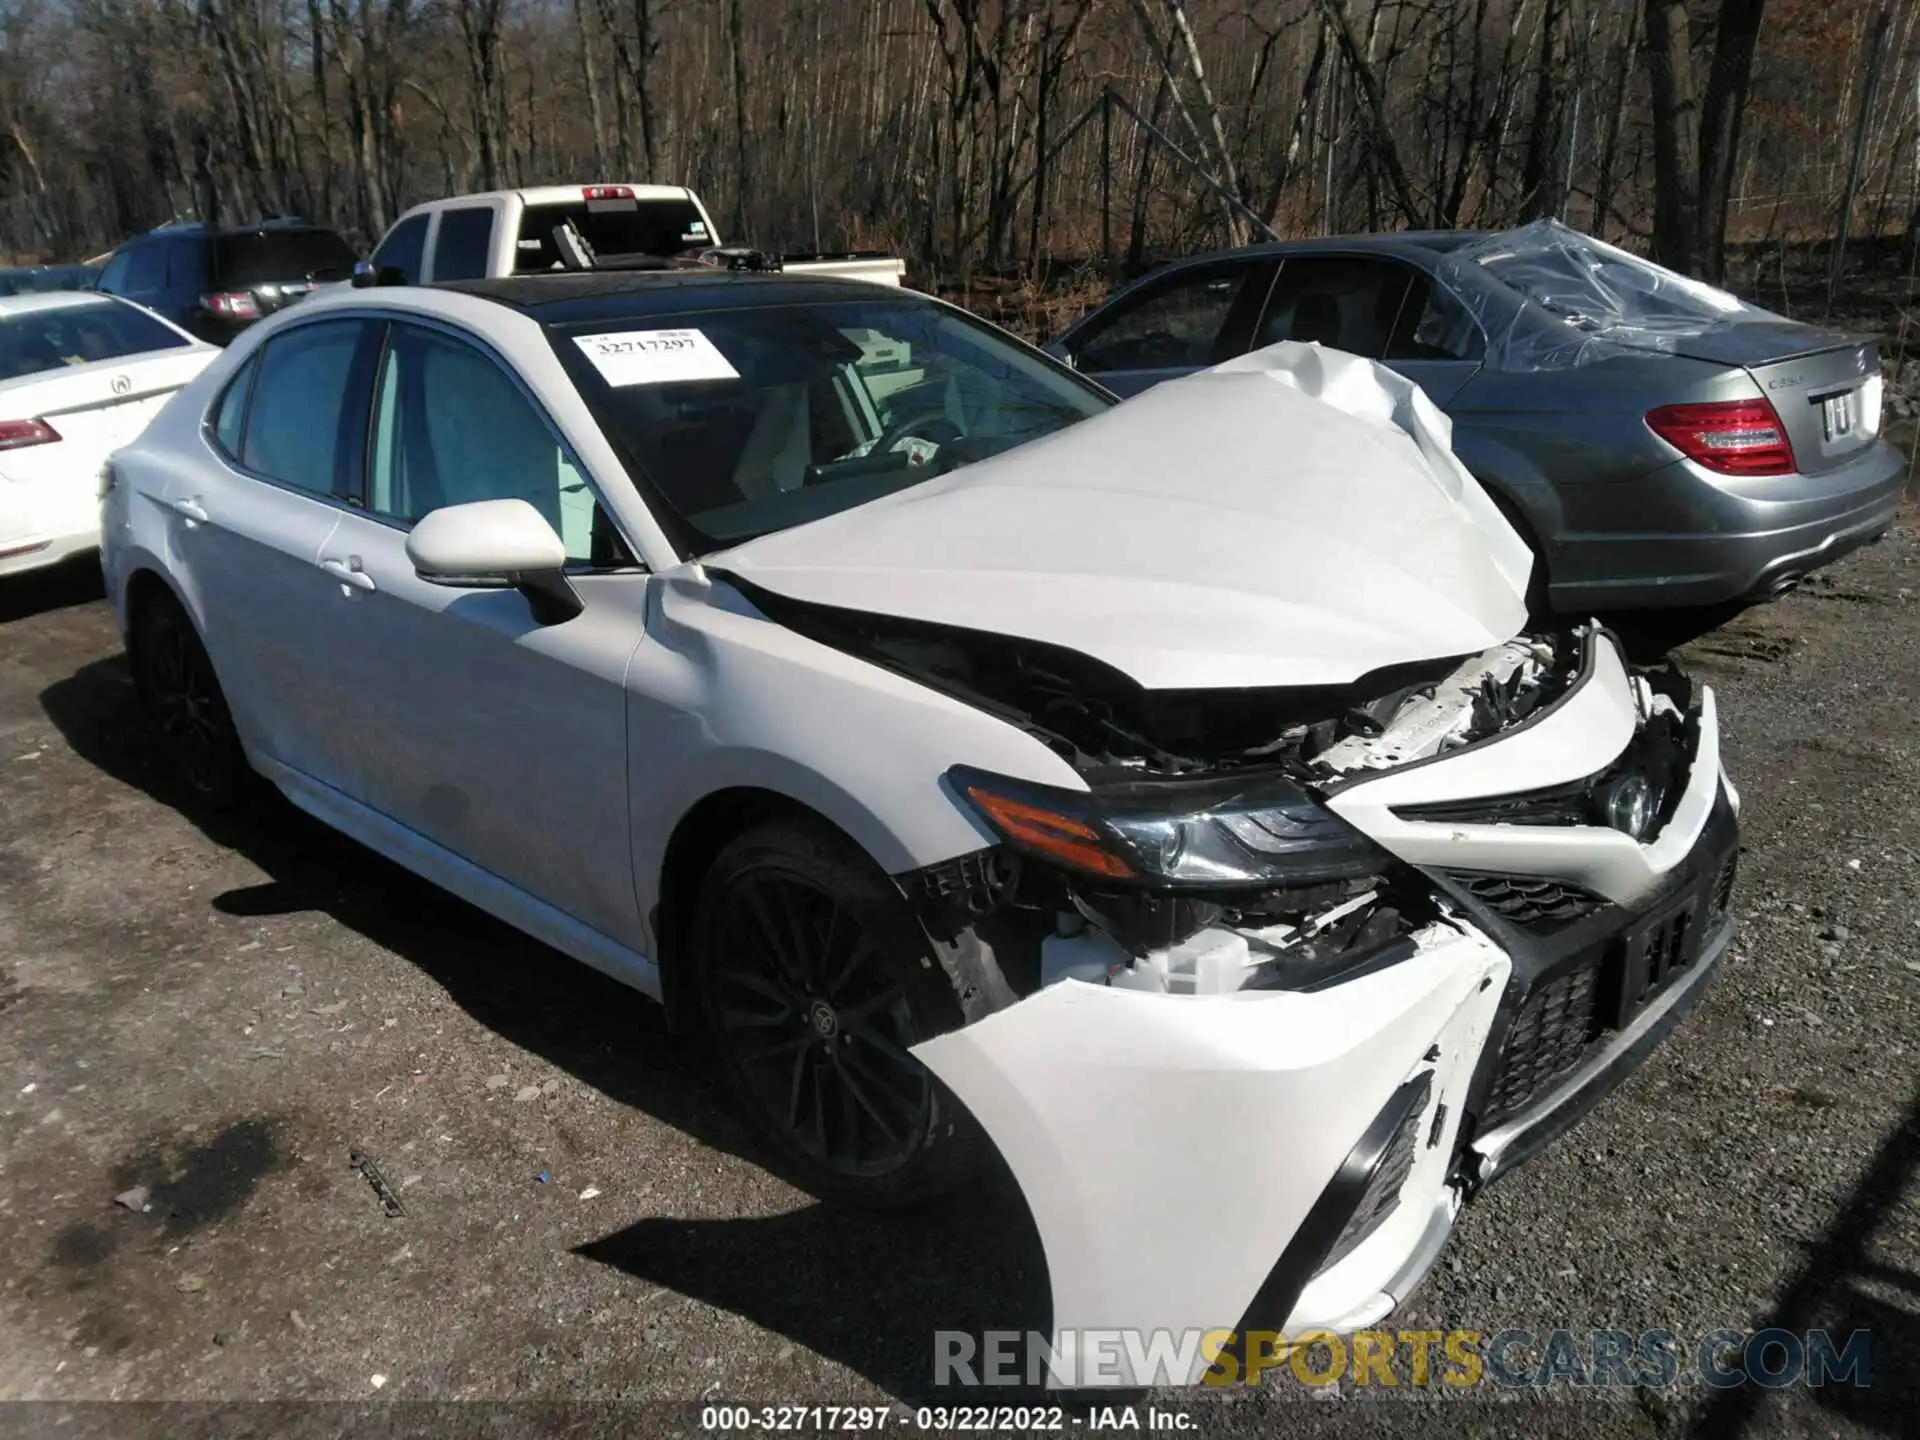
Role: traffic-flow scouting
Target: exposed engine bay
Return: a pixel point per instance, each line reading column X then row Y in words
column 1105, row 723
column 1258, row 767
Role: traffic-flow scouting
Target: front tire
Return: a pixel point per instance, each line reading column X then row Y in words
column 175, row 681
column 815, row 981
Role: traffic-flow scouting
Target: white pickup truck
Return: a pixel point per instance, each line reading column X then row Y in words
column 518, row 232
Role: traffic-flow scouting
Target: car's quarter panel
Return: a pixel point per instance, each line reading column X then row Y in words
column 1170, row 1147
column 1571, row 451
column 499, row 738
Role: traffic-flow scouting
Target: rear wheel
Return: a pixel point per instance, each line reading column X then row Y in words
column 815, row 983
column 176, row 683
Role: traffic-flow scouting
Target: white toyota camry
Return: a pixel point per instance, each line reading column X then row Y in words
column 1167, row 795
column 80, row 375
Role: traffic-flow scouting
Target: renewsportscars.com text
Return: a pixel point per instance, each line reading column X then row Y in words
column 1412, row 1358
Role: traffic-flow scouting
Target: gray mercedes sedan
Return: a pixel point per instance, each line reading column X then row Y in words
column 1657, row 441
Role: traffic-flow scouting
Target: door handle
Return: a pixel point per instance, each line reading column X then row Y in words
column 189, row 506
column 347, row 571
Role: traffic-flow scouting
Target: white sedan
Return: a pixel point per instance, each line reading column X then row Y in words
column 80, row 375
column 1166, row 795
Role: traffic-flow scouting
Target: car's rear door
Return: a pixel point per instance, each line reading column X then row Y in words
column 282, row 456
column 1192, row 317
column 498, row 738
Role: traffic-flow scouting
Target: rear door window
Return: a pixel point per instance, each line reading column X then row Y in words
column 404, row 249
column 306, row 420
column 1188, row 320
column 230, row 417
column 464, row 242
column 610, row 227
column 263, row 257
column 1434, row 325
column 1349, row 303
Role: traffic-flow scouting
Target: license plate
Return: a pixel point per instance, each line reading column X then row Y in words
column 1838, row 414
column 1660, row 947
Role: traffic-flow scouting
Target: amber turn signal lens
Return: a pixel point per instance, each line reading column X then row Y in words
column 1070, row 841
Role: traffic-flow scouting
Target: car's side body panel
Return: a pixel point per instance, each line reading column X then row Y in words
column 455, row 873
column 495, row 734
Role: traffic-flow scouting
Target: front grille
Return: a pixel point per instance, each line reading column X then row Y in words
column 1529, row 901
column 1382, row 1194
column 1549, row 1037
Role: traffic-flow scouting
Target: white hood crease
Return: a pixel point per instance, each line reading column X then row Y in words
column 1293, row 517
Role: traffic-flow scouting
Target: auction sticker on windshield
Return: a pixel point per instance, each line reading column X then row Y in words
column 655, row 357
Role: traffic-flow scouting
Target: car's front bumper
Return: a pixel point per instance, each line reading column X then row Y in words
column 1195, row 1163
column 1173, row 1149
column 1499, row 1150
column 1685, row 536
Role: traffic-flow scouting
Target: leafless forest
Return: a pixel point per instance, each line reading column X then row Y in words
column 976, row 135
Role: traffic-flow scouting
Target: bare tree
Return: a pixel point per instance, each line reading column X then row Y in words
column 972, row 133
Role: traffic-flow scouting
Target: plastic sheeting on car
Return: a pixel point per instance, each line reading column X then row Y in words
column 1590, row 301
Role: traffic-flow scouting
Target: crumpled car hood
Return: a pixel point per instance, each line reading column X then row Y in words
column 1293, row 517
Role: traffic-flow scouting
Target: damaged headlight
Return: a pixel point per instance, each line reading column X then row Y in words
column 1237, row 832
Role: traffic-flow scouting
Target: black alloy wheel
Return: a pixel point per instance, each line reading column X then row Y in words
column 176, row 683
column 816, row 985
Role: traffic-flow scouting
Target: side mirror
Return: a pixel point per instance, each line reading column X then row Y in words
column 496, row 545
column 364, row 274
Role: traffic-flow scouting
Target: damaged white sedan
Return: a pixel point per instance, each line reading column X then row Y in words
column 1169, row 796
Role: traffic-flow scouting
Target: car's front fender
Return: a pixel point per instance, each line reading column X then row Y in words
column 721, row 698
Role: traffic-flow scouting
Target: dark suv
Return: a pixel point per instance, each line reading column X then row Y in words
column 216, row 281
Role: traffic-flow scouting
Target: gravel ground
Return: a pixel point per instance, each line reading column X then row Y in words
column 208, row 1022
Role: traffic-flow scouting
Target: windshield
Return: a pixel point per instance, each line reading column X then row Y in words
column 611, row 228
column 52, row 339
column 267, row 256
column 742, row 422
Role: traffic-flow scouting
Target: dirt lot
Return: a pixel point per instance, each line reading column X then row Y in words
column 221, row 1017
